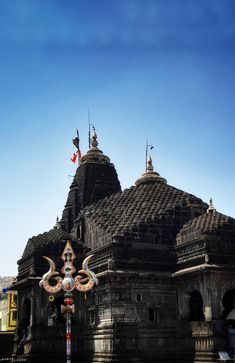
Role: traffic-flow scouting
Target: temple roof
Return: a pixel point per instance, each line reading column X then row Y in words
column 139, row 204
column 210, row 223
column 37, row 242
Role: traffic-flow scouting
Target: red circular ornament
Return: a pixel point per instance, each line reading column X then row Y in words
column 68, row 301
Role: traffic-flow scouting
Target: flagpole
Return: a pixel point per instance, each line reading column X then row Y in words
column 78, row 154
column 89, row 133
column 146, row 155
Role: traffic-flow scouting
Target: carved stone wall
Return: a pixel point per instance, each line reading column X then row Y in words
column 131, row 318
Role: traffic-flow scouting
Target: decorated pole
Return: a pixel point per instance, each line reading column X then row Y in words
column 67, row 310
column 83, row 282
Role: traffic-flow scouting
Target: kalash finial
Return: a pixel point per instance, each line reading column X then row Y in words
column 94, row 142
column 150, row 176
column 94, row 154
column 57, row 225
column 211, row 207
column 149, row 165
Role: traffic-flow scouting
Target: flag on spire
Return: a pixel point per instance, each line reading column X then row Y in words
column 78, row 152
column 74, row 158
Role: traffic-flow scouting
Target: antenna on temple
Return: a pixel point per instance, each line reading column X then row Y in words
column 146, row 153
column 93, row 128
column 89, row 133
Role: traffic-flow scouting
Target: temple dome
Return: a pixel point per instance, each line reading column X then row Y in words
column 125, row 211
column 39, row 242
column 211, row 223
column 141, row 223
column 207, row 241
column 150, row 176
column 94, row 154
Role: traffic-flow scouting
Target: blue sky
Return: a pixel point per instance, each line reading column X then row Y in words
column 162, row 70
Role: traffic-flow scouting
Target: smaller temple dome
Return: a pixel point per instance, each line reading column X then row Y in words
column 210, row 223
column 150, row 176
column 207, row 241
column 40, row 241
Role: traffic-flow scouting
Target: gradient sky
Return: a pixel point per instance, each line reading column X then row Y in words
column 162, row 70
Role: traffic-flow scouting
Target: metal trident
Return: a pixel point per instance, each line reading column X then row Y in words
column 68, row 283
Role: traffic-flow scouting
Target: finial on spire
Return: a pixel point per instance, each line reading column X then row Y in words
column 211, row 207
column 91, row 139
column 149, row 165
column 94, row 153
column 57, row 225
column 150, row 176
column 94, row 142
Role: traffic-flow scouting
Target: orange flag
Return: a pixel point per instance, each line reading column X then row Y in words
column 74, row 158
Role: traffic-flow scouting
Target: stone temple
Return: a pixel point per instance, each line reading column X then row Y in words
column 165, row 261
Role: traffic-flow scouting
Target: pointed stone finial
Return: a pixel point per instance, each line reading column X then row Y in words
column 149, row 164
column 211, row 207
column 94, row 142
column 150, row 176
column 57, row 225
column 94, row 154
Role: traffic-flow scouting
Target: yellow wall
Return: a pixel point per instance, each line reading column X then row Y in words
column 8, row 311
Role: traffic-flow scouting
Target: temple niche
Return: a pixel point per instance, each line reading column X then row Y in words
column 165, row 262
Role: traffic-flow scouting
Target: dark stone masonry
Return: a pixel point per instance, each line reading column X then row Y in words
column 165, row 261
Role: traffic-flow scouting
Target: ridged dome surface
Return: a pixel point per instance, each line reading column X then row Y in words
column 211, row 223
column 142, row 204
column 38, row 242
